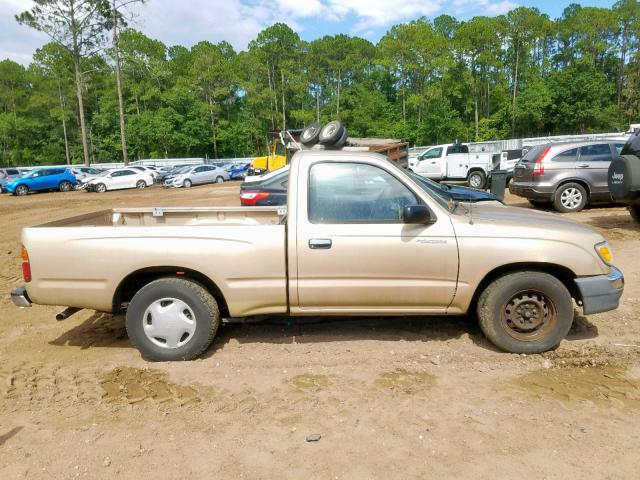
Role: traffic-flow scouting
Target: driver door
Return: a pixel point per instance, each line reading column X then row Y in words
column 355, row 253
column 430, row 164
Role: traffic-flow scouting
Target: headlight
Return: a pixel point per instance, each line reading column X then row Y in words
column 604, row 252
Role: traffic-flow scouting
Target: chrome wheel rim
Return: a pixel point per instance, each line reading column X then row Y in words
column 475, row 181
column 219, row 180
column 309, row 133
column 528, row 316
column 65, row 186
column 169, row 323
column 186, row 184
column 571, row 198
column 21, row 190
column 101, row 187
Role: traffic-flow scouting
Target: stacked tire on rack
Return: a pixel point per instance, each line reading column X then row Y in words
column 624, row 176
column 333, row 135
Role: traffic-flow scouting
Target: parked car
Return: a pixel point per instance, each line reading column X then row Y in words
column 273, row 190
column 624, row 176
column 165, row 172
column 119, row 178
column 148, row 170
column 8, row 174
column 46, row 178
column 197, row 176
column 84, row 174
column 570, row 175
column 237, row 171
column 360, row 237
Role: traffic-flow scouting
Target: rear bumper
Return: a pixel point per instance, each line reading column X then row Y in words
column 601, row 293
column 529, row 192
column 20, row 298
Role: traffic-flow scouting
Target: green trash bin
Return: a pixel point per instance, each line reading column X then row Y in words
column 498, row 183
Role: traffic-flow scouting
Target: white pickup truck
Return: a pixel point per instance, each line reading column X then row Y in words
column 452, row 161
column 359, row 236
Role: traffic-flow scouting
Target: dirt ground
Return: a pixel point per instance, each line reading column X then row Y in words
column 390, row 398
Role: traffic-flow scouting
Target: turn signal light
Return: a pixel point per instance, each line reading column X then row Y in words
column 605, row 253
column 26, row 266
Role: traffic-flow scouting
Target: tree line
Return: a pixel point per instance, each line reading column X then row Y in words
column 425, row 81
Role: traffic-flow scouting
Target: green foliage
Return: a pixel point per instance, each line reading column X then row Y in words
column 425, row 82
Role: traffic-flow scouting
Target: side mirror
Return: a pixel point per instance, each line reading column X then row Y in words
column 417, row 214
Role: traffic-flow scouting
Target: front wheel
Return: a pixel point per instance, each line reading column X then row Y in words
column 187, row 183
column 570, row 197
column 64, row 186
column 101, row 188
column 477, row 179
column 219, row 179
column 141, row 184
column 525, row 312
column 21, row 190
column 172, row 319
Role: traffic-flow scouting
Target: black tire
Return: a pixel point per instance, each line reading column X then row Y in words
column 340, row 142
column 634, row 210
column 187, row 183
column 570, row 197
column 477, row 179
column 220, row 179
column 199, row 301
column 331, row 133
column 140, row 184
column 520, row 298
column 310, row 135
column 64, row 186
column 100, row 188
column 21, row 190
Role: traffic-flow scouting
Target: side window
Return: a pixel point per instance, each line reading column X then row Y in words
column 566, row 156
column 127, row 172
column 117, row 174
column 596, row 153
column 356, row 193
column 457, row 149
column 199, row 169
column 433, row 153
column 12, row 172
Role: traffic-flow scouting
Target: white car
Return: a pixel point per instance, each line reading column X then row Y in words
column 147, row 170
column 84, row 174
column 197, row 175
column 119, row 178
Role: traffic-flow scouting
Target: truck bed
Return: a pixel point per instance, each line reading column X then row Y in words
column 187, row 216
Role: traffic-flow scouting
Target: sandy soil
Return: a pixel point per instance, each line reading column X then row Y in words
column 390, row 398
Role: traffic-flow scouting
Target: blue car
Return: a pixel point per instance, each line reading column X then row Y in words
column 48, row 178
column 235, row 171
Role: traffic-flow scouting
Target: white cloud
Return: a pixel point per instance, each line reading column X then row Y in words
column 187, row 22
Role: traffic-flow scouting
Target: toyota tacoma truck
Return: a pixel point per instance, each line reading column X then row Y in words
column 358, row 237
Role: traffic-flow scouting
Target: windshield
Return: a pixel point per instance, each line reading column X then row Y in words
column 184, row 169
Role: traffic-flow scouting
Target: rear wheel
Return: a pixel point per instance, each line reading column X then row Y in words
column 64, row 186
column 22, row 190
column 570, row 197
column 477, row 179
column 172, row 319
column 140, row 184
column 525, row 312
column 219, row 179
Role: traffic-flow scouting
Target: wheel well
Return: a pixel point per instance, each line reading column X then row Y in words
column 476, row 169
column 133, row 282
column 579, row 182
column 565, row 275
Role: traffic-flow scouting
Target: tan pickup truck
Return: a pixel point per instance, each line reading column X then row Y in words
column 360, row 236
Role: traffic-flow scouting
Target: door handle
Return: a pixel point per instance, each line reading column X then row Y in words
column 583, row 165
column 320, row 243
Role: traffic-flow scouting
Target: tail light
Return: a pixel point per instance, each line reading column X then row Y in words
column 251, row 198
column 26, row 266
column 538, row 167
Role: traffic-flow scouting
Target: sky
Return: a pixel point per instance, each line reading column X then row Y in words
column 186, row 22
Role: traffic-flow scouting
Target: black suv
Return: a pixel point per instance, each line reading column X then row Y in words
column 624, row 176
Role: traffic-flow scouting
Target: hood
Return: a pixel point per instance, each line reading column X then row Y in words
column 497, row 220
column 466, row 194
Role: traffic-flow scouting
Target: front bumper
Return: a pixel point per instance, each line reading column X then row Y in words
column 601, row 293
column 20, row 298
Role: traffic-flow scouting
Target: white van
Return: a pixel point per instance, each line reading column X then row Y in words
column 453, row 161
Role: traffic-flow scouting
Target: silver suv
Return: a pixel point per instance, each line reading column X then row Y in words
column 569, row 175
